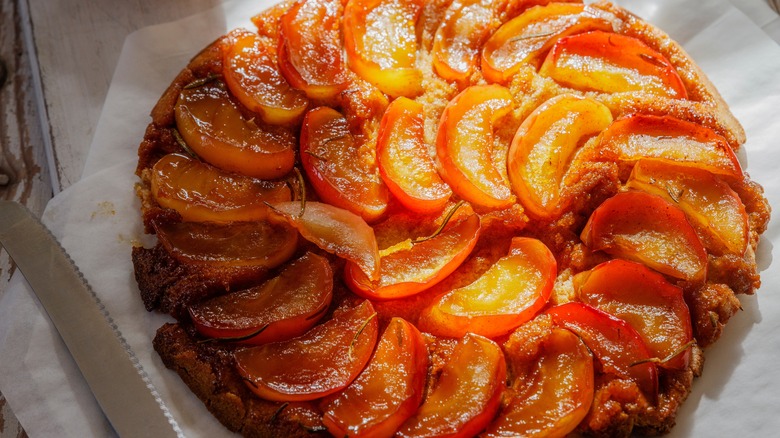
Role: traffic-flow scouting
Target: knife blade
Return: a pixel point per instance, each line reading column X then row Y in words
column 123, row 391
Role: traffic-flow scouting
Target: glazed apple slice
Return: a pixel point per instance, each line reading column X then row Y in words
column 647, row 229
column 214, row 128
column 611, row 63
column 261, row 244
column 340, row 172
column 334, row 230
column 508, row 294
column 410, row 268
column 388, row 391
column 544, row 146
column 380, row 40
column 556, row 393
column 467, row 394
column 711, row 206
column 283, row 307
column 202, row 193
column 320, row 362
column 647, row 301
column 529, row 36
column 251, row 71
column 459, row 38
column 668, row 139
column 619, row 349
column 464, row 145
column 310, row 52
column 404, row 164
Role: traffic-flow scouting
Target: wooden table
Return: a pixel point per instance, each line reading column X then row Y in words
column 50, row 102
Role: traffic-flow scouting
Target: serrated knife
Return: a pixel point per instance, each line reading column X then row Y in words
column 120, row 386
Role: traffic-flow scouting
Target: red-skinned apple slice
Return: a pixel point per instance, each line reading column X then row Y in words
column 619, row 348
column 251, row 72
column 410, row 268
column 340, row 174
column 647, row 301
column 556, row 393
column 459, row 38
column 404, row 164
column 388, row 391
column 283, row 307
column 464, row 145
column 611, row 63
column 323, row 361
column 646, row 228
column 381, row 44
column 467, row 395
column 711, row 206
column 202, row 193
column 507, row 295
column 544, row 145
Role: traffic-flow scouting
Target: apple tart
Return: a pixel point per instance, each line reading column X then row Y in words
column 444, row 218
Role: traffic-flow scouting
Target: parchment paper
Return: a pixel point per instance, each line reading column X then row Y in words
column 97, row 222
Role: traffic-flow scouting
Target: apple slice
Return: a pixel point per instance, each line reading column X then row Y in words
column 529, row 36
column 410, row 268
column 611, row 63
column 310, row 52
column 711, row 206
column 556, row 393
column 323, row 361
column 668, row 139
column 404, row 164
column 340, row 173
column 388, row 391
column 544, row 145
column 464, row 145
column 202, row 193
column 283, row 307
column 467, row 394
column 459, row 38
column 619, row 348
column 647, row 301
column 251, row 71
column 508, row 294
column 381, row 44
column 647, row 229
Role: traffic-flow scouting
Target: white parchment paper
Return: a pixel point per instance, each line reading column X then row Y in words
column 97, row 221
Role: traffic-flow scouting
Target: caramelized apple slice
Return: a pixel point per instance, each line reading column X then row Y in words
column 619, row 348
column 647, row 229
column 341, row 174
column 527, row 37
column 310, row 54
column 711, row 206
column 283, row 307
column 203, row 193
column 388, row 391
column 464, row 145
column 544, row 146
column 264, row 244
column 556, row 394
column 611, row 63
column 467, row 394
column 213, row 127
column 381, row 44
column 643, row 298
column 508, row 294
column 410, row 268
column 404, row 163
column 251, row 72
column 336, row 231
column 457, row 42
column 670, row 140
column 323, row 361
